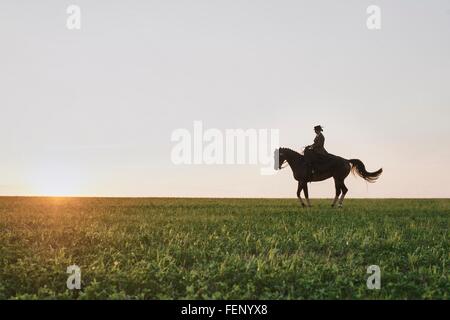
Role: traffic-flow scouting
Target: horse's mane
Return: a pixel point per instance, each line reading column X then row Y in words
column 292, row 151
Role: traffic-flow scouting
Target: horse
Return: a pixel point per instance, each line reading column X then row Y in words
column 329, row 166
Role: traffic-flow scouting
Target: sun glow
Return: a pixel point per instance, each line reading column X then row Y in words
column 56, row 180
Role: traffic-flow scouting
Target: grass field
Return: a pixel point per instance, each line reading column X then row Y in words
column 223, row 248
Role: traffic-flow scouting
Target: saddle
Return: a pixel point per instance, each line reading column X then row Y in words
column 319, row 161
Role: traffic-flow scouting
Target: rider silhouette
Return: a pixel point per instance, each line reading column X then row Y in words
column 316, row 147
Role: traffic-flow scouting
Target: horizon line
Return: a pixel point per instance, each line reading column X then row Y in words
column 203, row 197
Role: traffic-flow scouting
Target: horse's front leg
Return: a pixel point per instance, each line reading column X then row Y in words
column 299, row 190
column 305, row 190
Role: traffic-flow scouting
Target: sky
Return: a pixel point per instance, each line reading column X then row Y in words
column 91, row 112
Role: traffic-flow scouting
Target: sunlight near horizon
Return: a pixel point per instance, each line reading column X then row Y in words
column 56, row 180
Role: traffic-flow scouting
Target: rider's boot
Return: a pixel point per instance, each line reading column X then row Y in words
column 309, row 172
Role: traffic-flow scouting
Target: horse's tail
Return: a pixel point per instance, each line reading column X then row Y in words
column 359, row 167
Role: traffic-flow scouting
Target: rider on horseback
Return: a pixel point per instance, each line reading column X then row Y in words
column 318, row 148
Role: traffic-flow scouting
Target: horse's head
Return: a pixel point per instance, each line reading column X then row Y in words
column 279, row 158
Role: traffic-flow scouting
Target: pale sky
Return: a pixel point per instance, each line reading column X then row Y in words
column 91, row 111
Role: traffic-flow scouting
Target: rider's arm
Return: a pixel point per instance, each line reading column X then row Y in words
column 319, row 142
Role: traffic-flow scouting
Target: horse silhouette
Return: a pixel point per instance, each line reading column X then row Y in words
column 326, row 166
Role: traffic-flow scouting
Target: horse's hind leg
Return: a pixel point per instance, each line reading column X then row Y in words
column 344, row 192
column 337, row 185
column 299, row 190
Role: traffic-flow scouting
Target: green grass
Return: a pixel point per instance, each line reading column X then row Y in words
column 223, row 248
